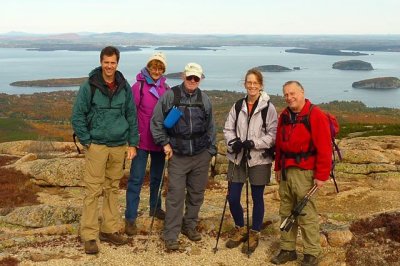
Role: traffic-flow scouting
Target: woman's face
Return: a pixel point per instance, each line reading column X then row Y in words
column 156, row 69
column 252, row 85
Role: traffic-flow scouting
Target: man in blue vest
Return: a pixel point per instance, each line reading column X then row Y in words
column 189, row 145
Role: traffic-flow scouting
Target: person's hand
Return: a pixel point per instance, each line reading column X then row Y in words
column 278, row 175
column 131, row 153
column 248, row 144
column 319, row 183
column 168, row 151
column 86, row 147
column 237, row 146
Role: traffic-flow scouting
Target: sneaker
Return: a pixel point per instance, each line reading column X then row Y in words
column 252, row 242
column 113, row 238
column 239, row 236
column 91, row 247
column 160, row 214
column 130, row 228
column 309, row 260
column 192, row 234
column 171, row 244
column 284, row 256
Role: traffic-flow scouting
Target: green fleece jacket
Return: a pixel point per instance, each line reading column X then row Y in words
column 105, row 118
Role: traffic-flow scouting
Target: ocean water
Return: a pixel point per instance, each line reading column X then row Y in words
column 224, row 69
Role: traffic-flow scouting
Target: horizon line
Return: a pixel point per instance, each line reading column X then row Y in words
column 202, row 34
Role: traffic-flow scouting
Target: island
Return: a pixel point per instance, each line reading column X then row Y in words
column 60, row 82
column 177, row 75
column 352, row 65
column 184, row 48
column 378, row 83
column 273, row 68
column 322, row 51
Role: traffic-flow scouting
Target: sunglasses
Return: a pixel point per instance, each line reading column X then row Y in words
column 195, row 78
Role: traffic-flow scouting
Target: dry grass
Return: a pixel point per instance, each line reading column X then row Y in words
column 16, row 189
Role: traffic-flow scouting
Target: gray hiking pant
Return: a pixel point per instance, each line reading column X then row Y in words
column 187, row 181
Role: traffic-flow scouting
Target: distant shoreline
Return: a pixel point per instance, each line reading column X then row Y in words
column 60, row 82
column 323, row 51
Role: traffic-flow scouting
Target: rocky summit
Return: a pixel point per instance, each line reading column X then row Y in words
column 365, row 213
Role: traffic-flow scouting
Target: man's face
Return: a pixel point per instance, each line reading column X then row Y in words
column 294, row 97
column 109, row 66
column 191, row 83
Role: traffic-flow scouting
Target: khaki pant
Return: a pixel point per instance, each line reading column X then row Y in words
column 291, row 191
column 103, row 171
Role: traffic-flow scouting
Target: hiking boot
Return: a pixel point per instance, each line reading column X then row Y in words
column 239, row 236
column 130, row 228
column 160, row 214
column 192, row 234
column 284, row 256
column 113, row 238
column 91, row 247
column 252, row 242
column 171, row 244
column 309, row 260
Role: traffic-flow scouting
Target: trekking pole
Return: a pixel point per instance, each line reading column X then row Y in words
column 247, row 208
column 287, row 224
column 158, row 197
column 215, row 249
column 332, row 173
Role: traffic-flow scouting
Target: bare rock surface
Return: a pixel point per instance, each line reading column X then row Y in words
column 43, row 216
column 47, row 234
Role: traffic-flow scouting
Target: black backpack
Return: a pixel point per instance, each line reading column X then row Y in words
column 178, row 96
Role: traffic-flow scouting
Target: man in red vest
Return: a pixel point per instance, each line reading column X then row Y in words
column 303, row 158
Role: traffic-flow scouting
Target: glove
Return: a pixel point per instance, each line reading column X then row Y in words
column 248, row 144
column 237, row 146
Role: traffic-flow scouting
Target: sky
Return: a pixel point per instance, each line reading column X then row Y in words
column 202, row 16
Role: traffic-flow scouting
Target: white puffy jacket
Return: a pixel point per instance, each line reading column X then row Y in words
column 252, row 130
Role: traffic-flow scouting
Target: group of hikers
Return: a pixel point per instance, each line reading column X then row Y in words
column 175, row 127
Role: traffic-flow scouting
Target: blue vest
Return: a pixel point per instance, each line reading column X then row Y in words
column 189, row 135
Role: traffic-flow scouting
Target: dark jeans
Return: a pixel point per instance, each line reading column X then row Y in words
column 135, row 182
column 257, row 194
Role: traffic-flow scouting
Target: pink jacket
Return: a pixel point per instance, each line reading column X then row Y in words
column 145, row 99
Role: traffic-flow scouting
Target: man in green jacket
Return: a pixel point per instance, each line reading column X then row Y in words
column 104, row 119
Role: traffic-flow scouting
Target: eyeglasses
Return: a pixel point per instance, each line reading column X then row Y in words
column 195, row 78
column 156, row 69
column 249, row 83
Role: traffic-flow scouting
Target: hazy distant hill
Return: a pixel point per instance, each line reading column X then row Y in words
column 338, row 42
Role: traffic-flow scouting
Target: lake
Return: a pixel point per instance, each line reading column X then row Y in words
column 224, row 70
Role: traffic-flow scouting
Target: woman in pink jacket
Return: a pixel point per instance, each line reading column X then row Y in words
column 150, row 85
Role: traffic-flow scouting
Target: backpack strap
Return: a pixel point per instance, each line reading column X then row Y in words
column 177, row 95
column 92, row 92
column 264, row 113
column 238, row 107
column 141, row 91
column 76, row 145
column 306, row 119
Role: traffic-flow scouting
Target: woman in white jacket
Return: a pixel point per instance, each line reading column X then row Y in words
column 249, row 139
